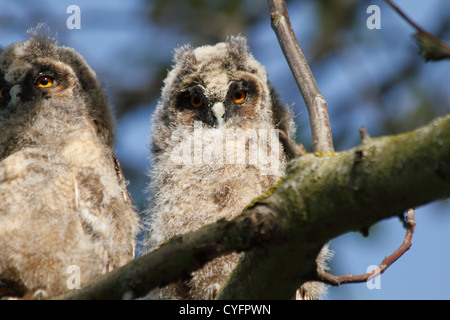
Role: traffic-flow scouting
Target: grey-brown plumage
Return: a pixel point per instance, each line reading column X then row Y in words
column 63, row 199
column 216, row 114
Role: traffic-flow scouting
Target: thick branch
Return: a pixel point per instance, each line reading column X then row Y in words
column 319, row 199
column 315, row 103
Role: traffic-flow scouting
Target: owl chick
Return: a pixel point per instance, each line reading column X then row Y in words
column 65, row 213
column 216, row 146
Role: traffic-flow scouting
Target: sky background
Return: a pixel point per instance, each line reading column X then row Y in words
column 126, row 48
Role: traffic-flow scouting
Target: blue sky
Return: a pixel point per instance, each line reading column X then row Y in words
column 125, row 50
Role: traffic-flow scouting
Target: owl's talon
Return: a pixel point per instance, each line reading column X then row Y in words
column 213, row 290
column 40, row 294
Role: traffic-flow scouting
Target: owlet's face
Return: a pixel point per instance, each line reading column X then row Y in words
column 24, row 82
column 38, row 77
column 221, row 85
column 31, row 72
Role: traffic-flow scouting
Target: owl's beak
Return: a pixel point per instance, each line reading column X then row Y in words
column 15, row 93
column 218, row 110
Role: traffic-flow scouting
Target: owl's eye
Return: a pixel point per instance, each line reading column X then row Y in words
column 44, row 82
column 1, row 92
column 239, row 96
column 196, row 101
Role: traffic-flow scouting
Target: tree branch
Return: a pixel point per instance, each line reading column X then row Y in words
column 317, row 107
column 386, row 263
column 319, row 199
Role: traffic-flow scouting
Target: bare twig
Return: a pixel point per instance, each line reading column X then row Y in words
column 431, row 47
column 338, row 280
column 315, row 103
column 365, row 137
column 400, row 12
column 292, row 149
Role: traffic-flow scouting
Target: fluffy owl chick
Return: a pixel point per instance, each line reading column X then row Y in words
column 215, row 147
column 65, row 213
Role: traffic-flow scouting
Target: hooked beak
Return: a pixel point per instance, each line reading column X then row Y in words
column 218, row 111
column 15, row 94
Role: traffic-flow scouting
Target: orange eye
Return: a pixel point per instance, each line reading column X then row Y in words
column 1, row 92
column 196, row 101
column 44, row 82
column 239, row 96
